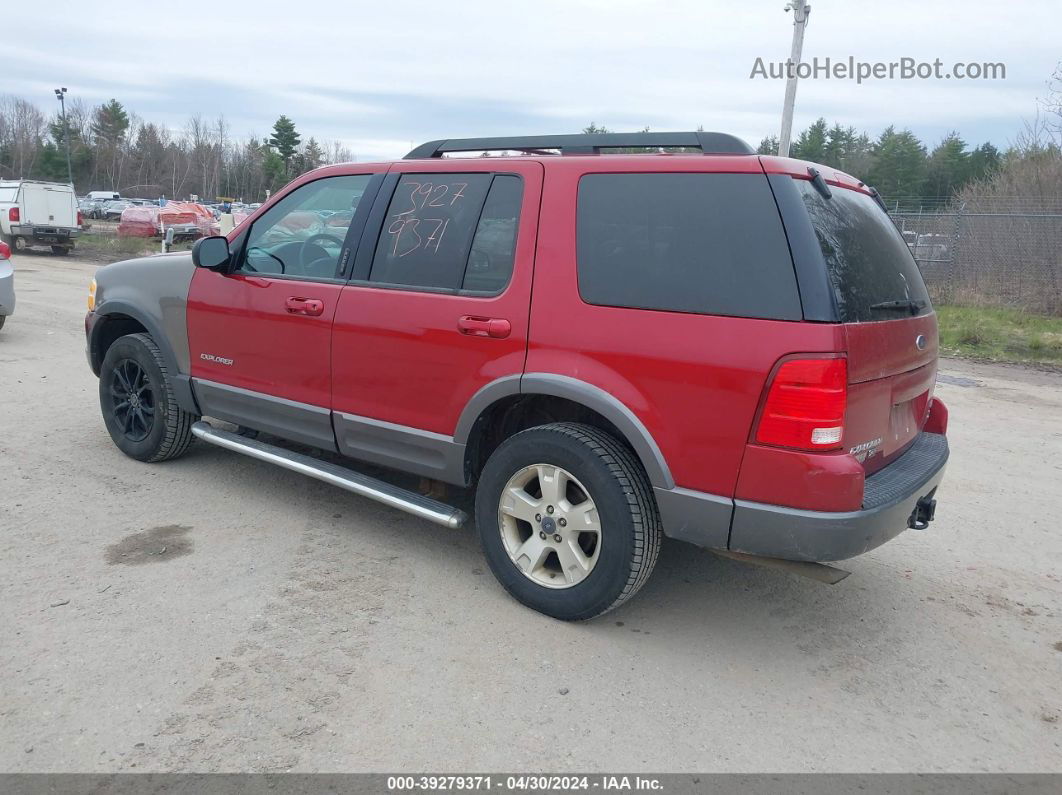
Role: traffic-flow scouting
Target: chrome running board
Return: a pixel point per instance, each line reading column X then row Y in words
column 348, row 479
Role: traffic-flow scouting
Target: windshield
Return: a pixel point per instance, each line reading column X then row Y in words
column 873, row 274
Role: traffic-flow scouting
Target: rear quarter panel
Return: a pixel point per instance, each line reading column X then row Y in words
column 694, row 381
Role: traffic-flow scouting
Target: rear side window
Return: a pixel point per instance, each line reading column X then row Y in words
column 873, row 275
column 490, row 262
column 450, row 232
column 702, row 243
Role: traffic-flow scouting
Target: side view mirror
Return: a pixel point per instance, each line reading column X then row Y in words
column 211, row 252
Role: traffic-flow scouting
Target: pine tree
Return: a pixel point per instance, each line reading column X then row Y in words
column 899, row 165
column 110, row 122
column 983, row 162
column 285, row 139
column 811, row 143
column 768, row 145
column 947, row 169
column 312, row 155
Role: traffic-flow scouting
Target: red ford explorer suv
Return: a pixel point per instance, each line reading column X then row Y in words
column 697, row 342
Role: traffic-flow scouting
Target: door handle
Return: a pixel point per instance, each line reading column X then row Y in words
column 305, row 306
column 474, row 326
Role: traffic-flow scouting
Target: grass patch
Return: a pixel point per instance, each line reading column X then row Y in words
column 1001, row 335
column 111, row 248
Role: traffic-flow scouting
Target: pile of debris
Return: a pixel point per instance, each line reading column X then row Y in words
column 188, row 220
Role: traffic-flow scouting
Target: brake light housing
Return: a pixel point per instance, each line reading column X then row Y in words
column 5, row 250
column 12, row 215
column 80, row 218
column 805, row 405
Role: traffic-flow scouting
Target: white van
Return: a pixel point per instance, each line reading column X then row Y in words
column 34, row 213
column 103, row 195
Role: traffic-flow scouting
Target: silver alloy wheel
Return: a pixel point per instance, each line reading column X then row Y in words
column 549, row 526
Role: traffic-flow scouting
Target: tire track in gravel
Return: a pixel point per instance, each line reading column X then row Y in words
column 296, row 666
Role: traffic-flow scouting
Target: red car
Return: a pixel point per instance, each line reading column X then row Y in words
column 727, row 349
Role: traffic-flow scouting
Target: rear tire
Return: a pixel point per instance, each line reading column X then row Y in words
column 138, row 404
column 606, row 548
column 3, row 319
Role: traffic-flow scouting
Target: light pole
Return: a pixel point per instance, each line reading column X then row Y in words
column 60, row 94
column 800, row 20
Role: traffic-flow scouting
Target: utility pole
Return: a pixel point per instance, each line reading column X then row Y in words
column 60, row 94
column 801, row 11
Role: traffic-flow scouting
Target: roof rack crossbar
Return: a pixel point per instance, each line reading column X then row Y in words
column 587, row 143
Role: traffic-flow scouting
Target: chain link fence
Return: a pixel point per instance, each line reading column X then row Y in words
column 1004, row 253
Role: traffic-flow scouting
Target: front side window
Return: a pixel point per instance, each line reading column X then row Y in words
column 449, row 232
column 700, row 243
column 302, row 235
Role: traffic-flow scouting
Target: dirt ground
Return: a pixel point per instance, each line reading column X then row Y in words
column 218, row 614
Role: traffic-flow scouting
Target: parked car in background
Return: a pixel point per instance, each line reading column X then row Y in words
column 7, row 284
column 103, row 195
column 35, row 213
column 112, row 210
column 931, row 247
column 732, row 350
column 90, row 208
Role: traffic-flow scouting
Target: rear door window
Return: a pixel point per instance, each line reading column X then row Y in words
column 428, row 231
column 701, row 243
column 873, row 274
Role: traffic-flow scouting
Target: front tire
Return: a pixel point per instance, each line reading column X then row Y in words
column 139, row 408
column 567, row 520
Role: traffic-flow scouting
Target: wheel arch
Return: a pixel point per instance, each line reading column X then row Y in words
column 118, row 318
column 511, row 404
column 113, row 322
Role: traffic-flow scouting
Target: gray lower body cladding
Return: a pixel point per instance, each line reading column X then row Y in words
column 288, row 419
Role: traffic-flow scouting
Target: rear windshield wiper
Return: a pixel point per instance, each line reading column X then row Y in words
column 906, row 305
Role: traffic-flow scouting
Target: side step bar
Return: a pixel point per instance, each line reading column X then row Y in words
column 386, row 493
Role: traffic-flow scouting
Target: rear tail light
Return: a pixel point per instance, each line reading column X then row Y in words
column 80, row 218
column 5, row 251
column 12, row 215
column 805, row 405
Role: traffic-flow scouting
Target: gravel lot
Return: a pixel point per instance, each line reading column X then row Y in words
column 217, row 614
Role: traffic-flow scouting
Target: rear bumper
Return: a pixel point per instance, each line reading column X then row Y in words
column 46, row 234
column 890, row 498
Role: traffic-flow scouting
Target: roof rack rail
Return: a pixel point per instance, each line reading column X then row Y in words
column 587, row 143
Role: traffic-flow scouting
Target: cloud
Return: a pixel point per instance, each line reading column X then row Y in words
column 380, row 75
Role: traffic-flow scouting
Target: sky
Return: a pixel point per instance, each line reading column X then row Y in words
column 383, row 76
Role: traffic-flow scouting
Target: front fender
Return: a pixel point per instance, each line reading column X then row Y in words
column 154, row 292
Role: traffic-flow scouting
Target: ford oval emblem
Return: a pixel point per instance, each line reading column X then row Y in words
column 920, row 342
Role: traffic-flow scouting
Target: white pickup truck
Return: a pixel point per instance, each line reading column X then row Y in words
column 34, row 213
